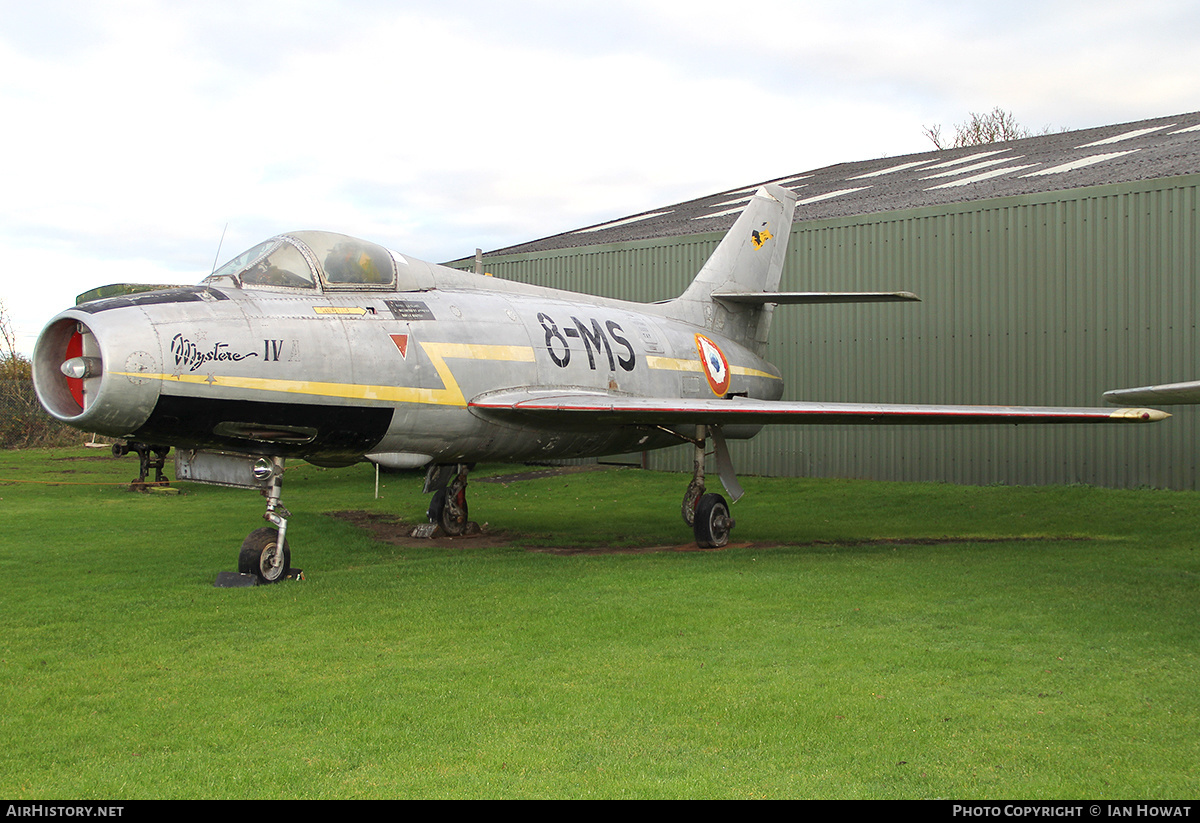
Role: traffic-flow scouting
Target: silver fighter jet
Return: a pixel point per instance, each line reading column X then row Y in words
column 330, row 349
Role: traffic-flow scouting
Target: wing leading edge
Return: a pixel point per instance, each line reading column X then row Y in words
column 579, row 407
column 1167, row 394
column 798, row 298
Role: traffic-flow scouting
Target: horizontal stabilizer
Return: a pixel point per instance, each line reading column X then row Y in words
column 597, row 407
column 1168, row 394
column 785, row 298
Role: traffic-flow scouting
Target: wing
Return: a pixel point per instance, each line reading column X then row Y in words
column 596, row 407
column 1166, row 394
column 795, row 298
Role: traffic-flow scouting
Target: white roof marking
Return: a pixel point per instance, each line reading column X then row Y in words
column 1129, row 135
column 624, row 222
column 901, row 167
column 1080, row 163
column 968, row 158
column 828, row 195
column 719, row 213
column 745, row 199
column 782, row 181
column 987, row 175
column 965, row 169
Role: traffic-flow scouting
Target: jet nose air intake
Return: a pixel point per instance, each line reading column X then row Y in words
column 67, row 379
column 79, row 363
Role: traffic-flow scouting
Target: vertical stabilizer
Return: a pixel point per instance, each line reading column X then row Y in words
column 748, row 260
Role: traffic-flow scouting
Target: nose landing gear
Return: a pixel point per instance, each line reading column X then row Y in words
column 265, row 552
column 265, row 556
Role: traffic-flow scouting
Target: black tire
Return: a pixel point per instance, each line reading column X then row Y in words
column 260, row 558
column 713, row 522
column 437, row 504
column 688, row 509
column 444, row 515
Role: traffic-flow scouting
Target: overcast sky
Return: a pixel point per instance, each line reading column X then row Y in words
column 135, row 131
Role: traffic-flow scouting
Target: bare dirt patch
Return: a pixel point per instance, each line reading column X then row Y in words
column 387, row 528
column 895, row 542
column 539, row 474
column 597, row 550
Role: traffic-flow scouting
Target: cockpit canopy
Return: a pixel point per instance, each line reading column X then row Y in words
column 302, row 259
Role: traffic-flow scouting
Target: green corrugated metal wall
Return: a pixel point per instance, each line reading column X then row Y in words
column 1042, row 299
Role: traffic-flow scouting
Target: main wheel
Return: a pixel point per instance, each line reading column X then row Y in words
column 262, row 556
column 712, row 522
column 442, row 511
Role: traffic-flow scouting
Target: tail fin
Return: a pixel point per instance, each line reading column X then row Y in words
column 748, row 260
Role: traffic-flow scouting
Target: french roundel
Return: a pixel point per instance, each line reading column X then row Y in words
column 716, row 367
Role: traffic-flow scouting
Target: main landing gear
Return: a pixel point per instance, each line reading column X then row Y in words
column 145, row 463
column 448, row 508
column 708, row 514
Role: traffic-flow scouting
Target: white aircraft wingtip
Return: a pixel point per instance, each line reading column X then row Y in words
column 1147, row 415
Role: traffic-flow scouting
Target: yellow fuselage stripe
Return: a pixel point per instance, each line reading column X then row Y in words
column 450, row 395
column 682, row 364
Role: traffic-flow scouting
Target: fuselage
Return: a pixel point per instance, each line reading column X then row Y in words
column 332, row 364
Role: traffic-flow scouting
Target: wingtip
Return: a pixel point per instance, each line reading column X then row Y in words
column 1140, row 415
column 1123, row 397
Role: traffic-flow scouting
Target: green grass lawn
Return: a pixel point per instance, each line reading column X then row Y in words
column 877, row 640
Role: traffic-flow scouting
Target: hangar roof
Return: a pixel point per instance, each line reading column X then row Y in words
column 1145, row 150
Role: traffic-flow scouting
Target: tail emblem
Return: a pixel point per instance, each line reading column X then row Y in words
column 716, row 367
column 759, row 237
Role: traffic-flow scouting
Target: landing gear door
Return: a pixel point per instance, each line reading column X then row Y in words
column 242, row 471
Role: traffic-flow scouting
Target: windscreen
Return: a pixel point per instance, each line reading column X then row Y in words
column 273, row 263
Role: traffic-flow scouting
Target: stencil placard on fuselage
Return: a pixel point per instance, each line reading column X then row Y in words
column 409, row 310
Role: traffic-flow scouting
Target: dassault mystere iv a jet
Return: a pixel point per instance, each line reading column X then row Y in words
column 330, row 349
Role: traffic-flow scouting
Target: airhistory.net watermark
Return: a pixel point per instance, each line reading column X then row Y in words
column 47, row 810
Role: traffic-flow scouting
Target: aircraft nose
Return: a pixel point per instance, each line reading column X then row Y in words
column 91, row 372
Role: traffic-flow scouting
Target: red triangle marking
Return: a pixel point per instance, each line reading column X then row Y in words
column 401, row 341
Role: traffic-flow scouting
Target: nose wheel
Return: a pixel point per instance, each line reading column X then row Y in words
column 265, row 556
